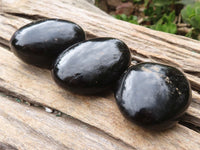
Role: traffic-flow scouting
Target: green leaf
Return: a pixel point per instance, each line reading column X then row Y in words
column 187, row 13
column 197, row 11
column 117, row 16
column 191, row 15
column 172, row 16
column 131, row 19
column 123, row 17
column 195, row 22
column 190, row 11
column 172, row 28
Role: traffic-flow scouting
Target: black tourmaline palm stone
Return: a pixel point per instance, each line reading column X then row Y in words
column 91, row 66
column 153, row 95
column 40, row 42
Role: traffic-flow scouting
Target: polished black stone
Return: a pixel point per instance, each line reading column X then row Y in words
column 91, row 66
column 40, row 42
column 153, row 95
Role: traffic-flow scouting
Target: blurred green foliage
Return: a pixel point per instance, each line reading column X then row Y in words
column 131, row 19
column 191, row 15
column 166, row 23
column 162, row 15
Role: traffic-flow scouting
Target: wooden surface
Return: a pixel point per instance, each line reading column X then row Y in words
column 87, row 122
column 32, row 128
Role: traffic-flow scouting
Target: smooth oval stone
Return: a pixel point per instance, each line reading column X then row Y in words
column 40, row 42
column 91, row 66
column 153, row 95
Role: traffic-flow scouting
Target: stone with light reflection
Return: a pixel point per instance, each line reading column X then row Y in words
column 91, row 66
column 40, row 42
column 153, row 95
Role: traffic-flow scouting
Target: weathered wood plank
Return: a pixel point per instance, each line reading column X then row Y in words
column 146, row 44
column 83, row 4
column 36, row 85
column 29, row 128
column 9, row 24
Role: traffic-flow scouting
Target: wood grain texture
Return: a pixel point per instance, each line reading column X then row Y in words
column 146, row 44
column 98, row 114
column 36, row 86
column 83, row 4
column 10, row 24
column 29, row 128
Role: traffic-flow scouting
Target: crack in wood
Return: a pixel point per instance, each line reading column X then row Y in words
column 196, row 101
column 195, row 86
column 136, row 56
column 193, row 73
column 4, row 43
column 24, row 101
column 180, row 136
column 26, row 16
column 170, row 42
column 4, row 46
column 15, row 121
column 5, row 146
column 187, row 120
column 191, row 122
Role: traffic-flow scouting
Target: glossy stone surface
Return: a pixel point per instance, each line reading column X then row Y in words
column 40, row 42
column 91, row 66
column 153, row 95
